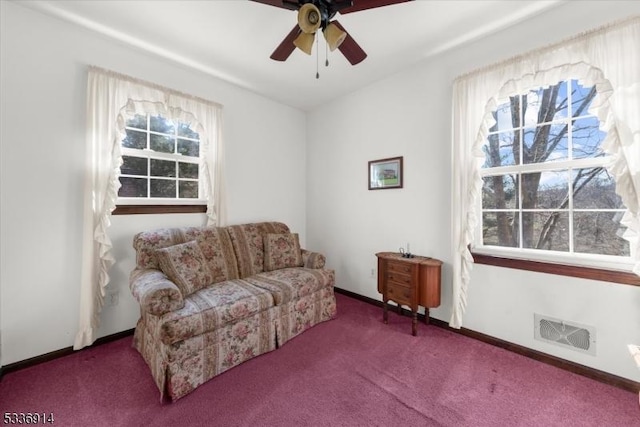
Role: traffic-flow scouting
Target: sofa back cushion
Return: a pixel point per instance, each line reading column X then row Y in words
column 214, row 243
column 217, row 249
column 282, row 251
column 248, row 244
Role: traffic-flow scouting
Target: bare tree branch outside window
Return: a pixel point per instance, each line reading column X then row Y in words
column 550, row 193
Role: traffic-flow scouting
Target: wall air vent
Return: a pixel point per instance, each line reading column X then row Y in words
column 565, row 334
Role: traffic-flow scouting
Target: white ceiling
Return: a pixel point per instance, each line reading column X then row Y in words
column 233, row 39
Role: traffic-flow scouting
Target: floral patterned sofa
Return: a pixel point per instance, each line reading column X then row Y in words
column 212, row 298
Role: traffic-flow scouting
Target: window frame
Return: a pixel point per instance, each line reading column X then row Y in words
column 158, row 209
column 561, row 269
column 617, row 269
column 162, row 205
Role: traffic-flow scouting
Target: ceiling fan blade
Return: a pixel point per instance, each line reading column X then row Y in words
column 286, row 47
column 369, row 4
column 350, row 49
column 284, row 4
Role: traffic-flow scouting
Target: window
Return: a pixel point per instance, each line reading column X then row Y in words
column 555, row 123
column 160, row 162
column 546, row 193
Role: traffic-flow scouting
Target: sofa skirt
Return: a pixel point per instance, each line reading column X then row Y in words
column 298, row 315
column 181, row 367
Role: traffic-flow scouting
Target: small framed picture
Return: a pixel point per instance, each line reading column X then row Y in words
column 385, row 173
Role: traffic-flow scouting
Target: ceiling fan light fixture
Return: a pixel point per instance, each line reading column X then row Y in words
column 334, row 36
column 309, row 18
column 304, row 42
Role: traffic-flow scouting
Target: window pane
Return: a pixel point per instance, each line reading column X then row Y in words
column 533, row 206
column 188, row 170
column 138, row 121
column 545, row 143
column 133, row 166
column 545, row 190
column 498, row 149
column 545, row 104
column 162, row 144
column 500, row 192
column 133, row 187
column 188, row 190
column 163, row 188
column 500, row 229
column 597, row 233
column 163, row 168
column 582, row 97
column 162, row 125
column 545, row 230
column 135, row 139
column 587, row 138
column 594, row 188
column 507, row 115
column 184, row 129
column 188, row 148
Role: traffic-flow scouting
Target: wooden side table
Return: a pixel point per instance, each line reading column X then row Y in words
column 412, row 282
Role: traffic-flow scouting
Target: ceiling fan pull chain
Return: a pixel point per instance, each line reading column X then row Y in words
column 317, row 59
column 326, row 54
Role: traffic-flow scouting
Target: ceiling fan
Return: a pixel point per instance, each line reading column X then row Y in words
column 318, row 14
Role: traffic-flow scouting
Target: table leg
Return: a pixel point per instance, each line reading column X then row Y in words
column 426, row 316
column 414, row 323
column 385, row 315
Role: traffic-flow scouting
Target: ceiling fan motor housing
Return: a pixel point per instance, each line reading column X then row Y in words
column 303, row 34
column 323, row 11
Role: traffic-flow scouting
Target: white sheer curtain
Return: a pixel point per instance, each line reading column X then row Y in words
column 608, row 58
column 110, row 98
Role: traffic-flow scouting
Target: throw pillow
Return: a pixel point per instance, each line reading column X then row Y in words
column 282, row 251
column 186, row 266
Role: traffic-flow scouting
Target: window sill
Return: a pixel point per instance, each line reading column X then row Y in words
column 158, row 209
column 605, row 275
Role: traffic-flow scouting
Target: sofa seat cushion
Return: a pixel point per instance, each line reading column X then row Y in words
column 293, row 283
column 210, row 308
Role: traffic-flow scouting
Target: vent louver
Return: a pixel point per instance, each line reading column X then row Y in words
column 567, row 334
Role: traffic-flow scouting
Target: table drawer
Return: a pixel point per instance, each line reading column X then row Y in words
column 401, row 279
column 399, row 267
column 399, row 294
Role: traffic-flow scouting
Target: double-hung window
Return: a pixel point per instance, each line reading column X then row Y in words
column 160, row 162
column 542, row 146
column 547, row 194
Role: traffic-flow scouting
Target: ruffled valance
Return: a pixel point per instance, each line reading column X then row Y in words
column 111, row 97
column 607, row 58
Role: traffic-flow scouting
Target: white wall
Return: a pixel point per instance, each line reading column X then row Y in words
column 43, row 78
column 409, row 115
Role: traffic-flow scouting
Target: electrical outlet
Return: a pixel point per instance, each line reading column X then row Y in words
column 373, row 272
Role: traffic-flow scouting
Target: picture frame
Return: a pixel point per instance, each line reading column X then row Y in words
column 385, row 174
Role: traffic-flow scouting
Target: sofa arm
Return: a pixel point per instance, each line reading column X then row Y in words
column 313, row 259
column 155, row 293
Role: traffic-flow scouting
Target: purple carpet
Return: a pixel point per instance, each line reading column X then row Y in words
column 351, row 371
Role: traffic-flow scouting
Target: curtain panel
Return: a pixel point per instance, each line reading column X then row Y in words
column 111, row 97
column 607, row 58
